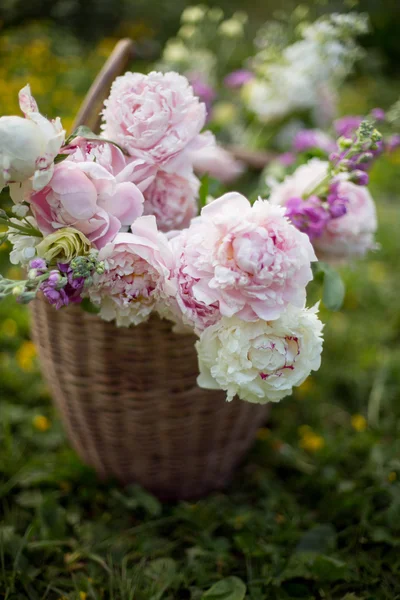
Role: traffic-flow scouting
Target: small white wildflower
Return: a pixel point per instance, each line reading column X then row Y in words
column 20, row 210
column 193, row 14
column 175, row 51
column 187, row 31
column 24, row 246
column 215, row 14
column 231, row 28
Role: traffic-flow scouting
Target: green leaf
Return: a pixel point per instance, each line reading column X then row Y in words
column 145, row 500
column 334, row 290
column 204, row 188
column 333, row 287
column 162, row 571
column 320, row 539
column 230, row 588
column 89, row 307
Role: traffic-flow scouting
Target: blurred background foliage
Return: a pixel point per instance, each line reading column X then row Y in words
column 330, row 454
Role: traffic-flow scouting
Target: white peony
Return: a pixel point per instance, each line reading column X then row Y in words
column 28, row 147
column 260, row 361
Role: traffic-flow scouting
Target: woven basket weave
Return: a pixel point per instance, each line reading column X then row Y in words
column 131, row 407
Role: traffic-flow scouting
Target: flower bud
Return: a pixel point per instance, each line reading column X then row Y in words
column 344, row 143
column 18, row 290
column 359, row 177
column 365, row 157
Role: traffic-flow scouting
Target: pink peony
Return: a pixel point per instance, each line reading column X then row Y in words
column 217, row 162
column 137, row 268
column 153, row 117
column 184, row 306
column 88, row 197
column 113, row 159
column 172, row 199
column 247, row 260
column 351, row 235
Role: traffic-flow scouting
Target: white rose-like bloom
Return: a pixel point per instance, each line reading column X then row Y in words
column 28, row 147
column 260, row 361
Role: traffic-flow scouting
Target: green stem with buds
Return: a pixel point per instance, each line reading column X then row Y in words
column 25, row 230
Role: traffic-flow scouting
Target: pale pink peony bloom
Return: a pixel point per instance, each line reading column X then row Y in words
column 28, row 147
column 353, row 234
column 154, row 117
column 218, row 163
column 110, row 157
column 136, row 276
column 172, row 199
column 183, row 305
column 305, row 179
column 246, row 260
column 88, row 197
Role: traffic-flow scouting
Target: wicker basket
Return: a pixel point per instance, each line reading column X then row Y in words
column 128, row 397
column 131, row 407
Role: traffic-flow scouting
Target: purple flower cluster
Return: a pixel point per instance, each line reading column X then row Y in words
column 347, row 126
column 52, row 290
column 311, row 215
column 74, row 286
column 313, row 139
column 60, row 288
column 203, row 90
column 238, row 78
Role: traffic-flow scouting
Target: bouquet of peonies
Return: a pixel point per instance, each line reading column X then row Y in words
column 110, row 222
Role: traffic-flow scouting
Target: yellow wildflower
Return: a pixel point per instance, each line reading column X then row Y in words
column 9, row 328
column 41, row 423
column 263, row 434
column 309, row 440
column 359, row 423
column 392, row 476
column 82, row 595
column 26, row 355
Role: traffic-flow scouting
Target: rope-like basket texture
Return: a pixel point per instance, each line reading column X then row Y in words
column 131, row 407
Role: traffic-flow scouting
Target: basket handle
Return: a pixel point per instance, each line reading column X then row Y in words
column 116, row 64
